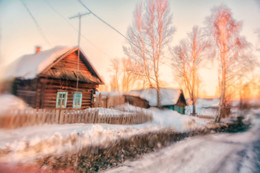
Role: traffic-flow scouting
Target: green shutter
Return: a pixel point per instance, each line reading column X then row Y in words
column 177, row 108
column 181, row 109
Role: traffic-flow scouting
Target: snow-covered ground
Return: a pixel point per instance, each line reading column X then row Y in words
column 227, row 152
column 9, row 102
column 196, row 153
column 209, row 107
column 27, row 143
column 204, row 107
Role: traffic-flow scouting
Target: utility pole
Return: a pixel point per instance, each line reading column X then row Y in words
column 79, row 34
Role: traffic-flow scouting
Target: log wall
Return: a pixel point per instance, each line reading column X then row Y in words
column 26, row 89
column 42, row 93
column 48, row 88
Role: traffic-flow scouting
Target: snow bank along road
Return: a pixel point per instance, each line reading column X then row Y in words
column 28, row 143
column 227, row 152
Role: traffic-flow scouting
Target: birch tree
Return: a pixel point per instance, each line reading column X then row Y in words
column 231, row 52
column 186, row 60
column 149, row 34
column 130, row 71
column 114, row 68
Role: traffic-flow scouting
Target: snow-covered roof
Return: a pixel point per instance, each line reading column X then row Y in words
column 168, row 96
column 28, row 66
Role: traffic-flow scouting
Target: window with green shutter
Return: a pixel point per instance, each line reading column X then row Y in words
column 61, row 100
column 77, row 100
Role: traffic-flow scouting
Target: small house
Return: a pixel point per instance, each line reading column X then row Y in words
column 60, row 78
column 113, row 99
column 170, row 98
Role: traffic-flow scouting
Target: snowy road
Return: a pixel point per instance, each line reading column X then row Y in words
column 226, row 152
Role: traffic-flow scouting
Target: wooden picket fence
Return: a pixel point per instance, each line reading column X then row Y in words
column 30, row 117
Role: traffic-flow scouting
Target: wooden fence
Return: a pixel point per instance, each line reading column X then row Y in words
column 30, row 117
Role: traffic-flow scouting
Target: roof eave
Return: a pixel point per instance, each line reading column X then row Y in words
column 93, row 68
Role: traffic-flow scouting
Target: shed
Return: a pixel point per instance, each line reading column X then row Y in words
column 170, row 98
column 56, row 78
column 113, row 99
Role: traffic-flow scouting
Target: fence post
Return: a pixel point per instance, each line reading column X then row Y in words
column 92, row 117
column 81, row 116
column 73, row 116
column 56, row 116
column 47, row 117
column 61, row 112
column 84, row 116
column 76, row 116
column 11, row 123
column 71, row 113
column 52, row 117
column 68, row 115
column 21, row 122
column 33, row 117
column 65, row 117
column 16, row 119
column 43, row 115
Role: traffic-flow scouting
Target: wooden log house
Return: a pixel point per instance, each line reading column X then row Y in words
column 56, row 78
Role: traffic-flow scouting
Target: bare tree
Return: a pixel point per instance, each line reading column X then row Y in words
column 114, row 68
column 130, row 71
column 137, row 49
column 149, row 34
column 244, row 94
column 187, row 57
column 231, row 52
column 124, row 74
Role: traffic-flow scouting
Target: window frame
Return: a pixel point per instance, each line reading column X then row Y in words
column 58, row 98
column 77, row 95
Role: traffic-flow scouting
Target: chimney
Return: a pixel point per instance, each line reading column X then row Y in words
column 37, row 49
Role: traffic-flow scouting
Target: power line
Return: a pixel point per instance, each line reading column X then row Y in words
column 99, row 18
column 102, row 20
column 57, row 12
column 36, row 23
column 75, row 29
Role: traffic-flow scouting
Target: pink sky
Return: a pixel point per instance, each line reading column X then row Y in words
column 19, row 34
